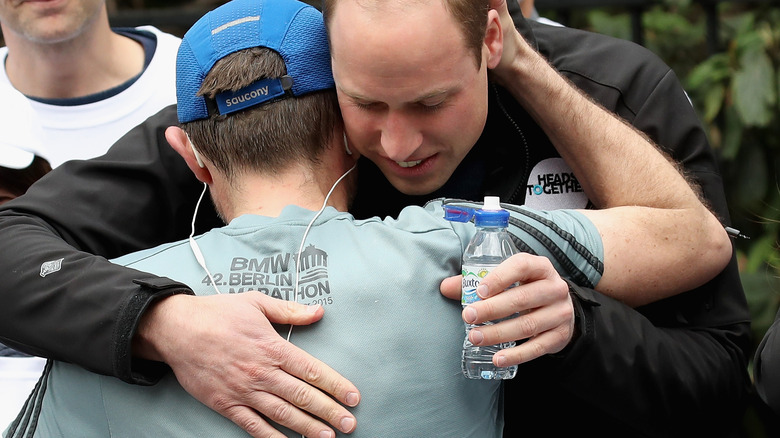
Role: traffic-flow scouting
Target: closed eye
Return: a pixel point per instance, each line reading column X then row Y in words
column 432, row 108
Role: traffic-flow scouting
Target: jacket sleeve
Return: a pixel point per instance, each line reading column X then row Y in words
column 61, row 301
column 658, row 379
column 679, row 365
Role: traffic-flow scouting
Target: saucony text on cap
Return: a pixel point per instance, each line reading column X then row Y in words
column 293, row 29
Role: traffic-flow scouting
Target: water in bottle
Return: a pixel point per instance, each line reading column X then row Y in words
column 490, row 246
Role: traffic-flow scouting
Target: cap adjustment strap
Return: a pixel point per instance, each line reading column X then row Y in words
column 257, row 93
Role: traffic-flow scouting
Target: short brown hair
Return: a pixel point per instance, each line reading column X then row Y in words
column 470, row 15
column 267, row 137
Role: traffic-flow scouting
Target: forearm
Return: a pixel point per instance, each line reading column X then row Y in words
column 614, row 162
column 637, row 255
column 653, row 253
column 618, row 166
column 67, row 315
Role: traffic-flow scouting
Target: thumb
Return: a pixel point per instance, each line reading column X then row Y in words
column 451, row 287
column 283, row 311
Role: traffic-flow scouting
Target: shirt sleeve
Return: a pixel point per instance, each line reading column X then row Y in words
column 566, row 237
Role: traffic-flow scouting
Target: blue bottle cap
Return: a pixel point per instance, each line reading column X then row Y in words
column 491, row 218
column 491, row 214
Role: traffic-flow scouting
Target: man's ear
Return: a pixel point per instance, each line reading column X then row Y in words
column 180, row 142
column 494, row 39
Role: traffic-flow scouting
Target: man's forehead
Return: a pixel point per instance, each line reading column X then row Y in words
column 381, row 6
column 412, row 94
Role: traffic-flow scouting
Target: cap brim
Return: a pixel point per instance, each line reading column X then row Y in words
column 15, row 158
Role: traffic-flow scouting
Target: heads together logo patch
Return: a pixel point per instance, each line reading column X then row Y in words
column 552, row 185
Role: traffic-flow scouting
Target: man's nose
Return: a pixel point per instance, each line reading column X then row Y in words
column 400, row 136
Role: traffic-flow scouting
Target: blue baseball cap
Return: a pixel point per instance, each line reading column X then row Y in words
column 293, row 29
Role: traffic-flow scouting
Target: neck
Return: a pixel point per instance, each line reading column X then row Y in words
column 94, row 60
column 267, row 195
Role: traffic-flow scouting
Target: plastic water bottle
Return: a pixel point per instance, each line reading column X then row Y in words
column 489, row 247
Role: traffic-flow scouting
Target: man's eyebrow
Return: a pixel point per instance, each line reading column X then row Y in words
column 429, row 95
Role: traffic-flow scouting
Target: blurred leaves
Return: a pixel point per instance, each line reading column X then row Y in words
column 735, row 92
column 754, row 87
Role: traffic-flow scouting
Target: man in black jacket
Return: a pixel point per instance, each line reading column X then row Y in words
column 401, row 89
column 675, row 366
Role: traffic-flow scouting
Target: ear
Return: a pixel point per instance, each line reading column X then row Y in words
column 494, row 39
column 180, row 142
column 349, row 151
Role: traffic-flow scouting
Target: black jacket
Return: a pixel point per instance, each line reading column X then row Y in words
column 676, row 367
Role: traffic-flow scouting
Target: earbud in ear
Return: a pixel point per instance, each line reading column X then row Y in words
column 346, row 145
column 197, row 156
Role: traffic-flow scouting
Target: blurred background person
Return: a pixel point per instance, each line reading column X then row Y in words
column 70, row 86
column 87, row 83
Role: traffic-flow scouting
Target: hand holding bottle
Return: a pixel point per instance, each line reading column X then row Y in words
column 542, row 296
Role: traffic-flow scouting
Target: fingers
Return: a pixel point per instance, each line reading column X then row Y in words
column 497, row 4
column 317, row 374
column 545, row 331
column 520, row 268
column 279, row 411
column 297, row 362
column 226, row 353
column 285, row 312
column 251, row 422
column 520, row 283
column 451, row 287
column 520, row 299
column 279, row 385
column 292, row 403
column 556, row 317
column 541, row 301
column 546, row 343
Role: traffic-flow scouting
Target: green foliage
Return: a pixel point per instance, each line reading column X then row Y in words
column 735, row 92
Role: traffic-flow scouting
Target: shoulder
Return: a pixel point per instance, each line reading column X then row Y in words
column 607, row 68
column 166, row 45
column 591, row 53
column 161, row 36
column 139, row 258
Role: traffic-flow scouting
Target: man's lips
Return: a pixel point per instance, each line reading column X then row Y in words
column 411, row 168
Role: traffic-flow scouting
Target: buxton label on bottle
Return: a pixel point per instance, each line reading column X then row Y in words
column 472, row 275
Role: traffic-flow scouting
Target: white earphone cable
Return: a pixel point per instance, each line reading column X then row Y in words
column 306, row 233
column 194, row 245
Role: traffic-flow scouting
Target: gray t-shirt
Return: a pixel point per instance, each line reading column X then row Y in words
column 386, row 326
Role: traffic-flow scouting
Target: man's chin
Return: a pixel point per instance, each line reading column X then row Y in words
column 415, row 188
